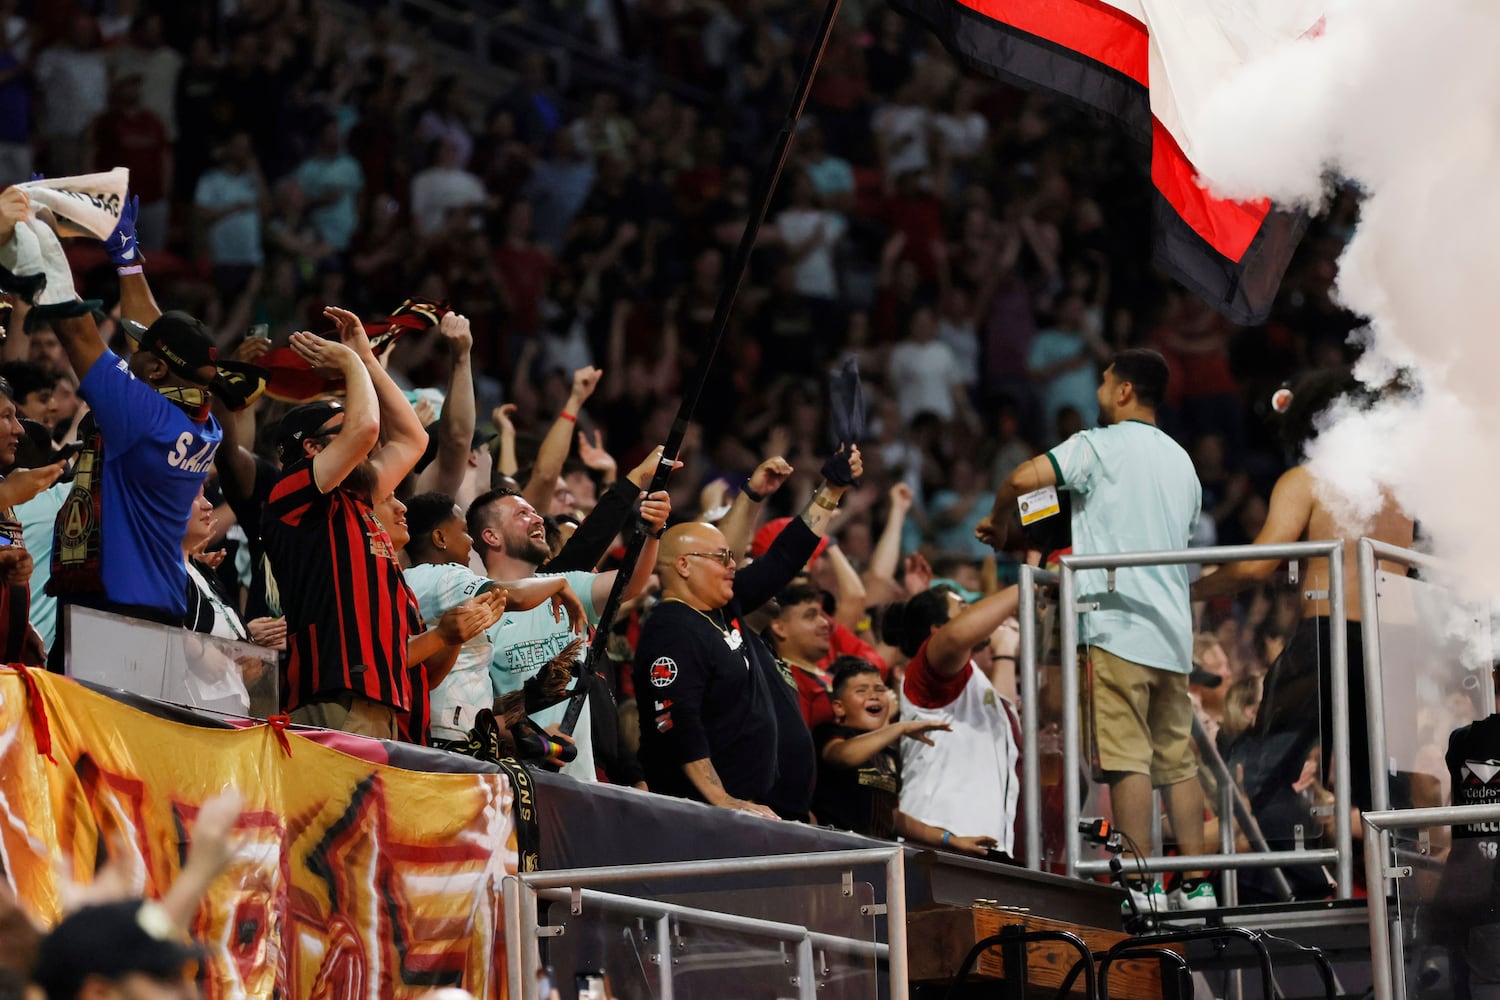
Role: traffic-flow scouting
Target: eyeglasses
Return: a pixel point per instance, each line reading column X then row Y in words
column 724, row 557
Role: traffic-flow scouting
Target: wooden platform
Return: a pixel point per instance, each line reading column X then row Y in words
column 939, row 939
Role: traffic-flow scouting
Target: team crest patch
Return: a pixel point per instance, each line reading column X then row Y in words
column 663, row 671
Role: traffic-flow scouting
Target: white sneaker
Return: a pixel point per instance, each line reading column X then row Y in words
column 1200, row 897
column 1148, row 901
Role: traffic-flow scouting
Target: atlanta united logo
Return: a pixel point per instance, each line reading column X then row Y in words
column 663, row 671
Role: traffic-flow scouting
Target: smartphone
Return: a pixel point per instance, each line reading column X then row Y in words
column 260, row 331
column 591, row 986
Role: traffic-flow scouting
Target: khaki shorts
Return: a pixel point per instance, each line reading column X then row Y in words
column 1138, row 720
column 349, row 713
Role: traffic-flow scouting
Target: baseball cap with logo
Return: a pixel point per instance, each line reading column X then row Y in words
column 301, row 423
column 186, row 344
column 183, row 342
column 112, row 940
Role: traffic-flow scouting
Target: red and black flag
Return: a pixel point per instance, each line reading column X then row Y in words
column 1147, row 64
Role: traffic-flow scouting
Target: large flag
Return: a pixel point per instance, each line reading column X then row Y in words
column 1150, row 65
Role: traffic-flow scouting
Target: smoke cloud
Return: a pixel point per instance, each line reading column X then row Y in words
column 1404, row 99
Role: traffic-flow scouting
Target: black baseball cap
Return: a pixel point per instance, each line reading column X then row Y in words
column 301, row 422
column 187, row 346
column 111, row 940
column 183, row 342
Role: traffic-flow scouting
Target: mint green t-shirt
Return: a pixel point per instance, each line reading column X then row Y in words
column 524, row 642
column 1135, row 490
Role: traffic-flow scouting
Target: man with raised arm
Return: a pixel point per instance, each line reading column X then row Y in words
column 1296, row 711
column 511, row 539
column 151, row 443
column 965, row 782
column 349, row 613
column 1133, row 489
column 724, row 725
column 440, row 577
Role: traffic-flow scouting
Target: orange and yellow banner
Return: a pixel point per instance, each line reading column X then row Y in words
column 351, row 879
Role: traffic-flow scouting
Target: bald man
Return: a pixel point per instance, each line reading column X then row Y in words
column 724, row 725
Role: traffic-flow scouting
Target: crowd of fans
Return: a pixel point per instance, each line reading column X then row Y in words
column 979, row 250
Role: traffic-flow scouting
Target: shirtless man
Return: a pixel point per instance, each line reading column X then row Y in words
column 1286, row 721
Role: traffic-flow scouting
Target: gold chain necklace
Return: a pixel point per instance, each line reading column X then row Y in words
column 677, row 600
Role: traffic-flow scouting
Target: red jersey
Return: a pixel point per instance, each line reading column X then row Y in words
column 349, row 612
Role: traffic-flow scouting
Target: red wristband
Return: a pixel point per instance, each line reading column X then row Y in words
column 571, row 418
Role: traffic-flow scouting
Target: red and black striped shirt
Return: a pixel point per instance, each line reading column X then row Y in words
column 348, row 608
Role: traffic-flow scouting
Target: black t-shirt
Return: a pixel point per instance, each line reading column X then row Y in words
column 1469, row 891
column 709, row 689
column 863, row 799
column 701, row 697
column 792, row 794
column 248, row 512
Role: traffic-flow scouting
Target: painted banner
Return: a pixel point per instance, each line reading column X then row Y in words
column 352, row 879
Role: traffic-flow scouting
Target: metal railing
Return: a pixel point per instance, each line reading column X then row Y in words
column 523, row 893
column 1341, row 855
column 1371, row 554
column 1031, row 763
column 1386, row 945
column 1378, row 825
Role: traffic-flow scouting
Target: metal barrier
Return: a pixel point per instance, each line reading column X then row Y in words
column 1341, row 854
column 1371, row 554
column 170, row 664
column 523, row 892
column 1377, row 849
column 1031, row 763
column 1386, row 947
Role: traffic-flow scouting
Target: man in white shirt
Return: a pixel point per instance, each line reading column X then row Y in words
column 924, row 372
column 810, row 236
column 965, row 780
column 443, row 188
column 1134, row 490
column 72, row 79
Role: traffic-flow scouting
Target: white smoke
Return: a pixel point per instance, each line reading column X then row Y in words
column 1404, row 99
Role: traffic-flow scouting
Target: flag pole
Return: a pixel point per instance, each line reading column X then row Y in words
column 689, row 405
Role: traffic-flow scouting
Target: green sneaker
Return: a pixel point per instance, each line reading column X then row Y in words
column 1148, row 900
column 1198, row 896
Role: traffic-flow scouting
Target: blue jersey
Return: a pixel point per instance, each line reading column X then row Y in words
column 155, row 460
